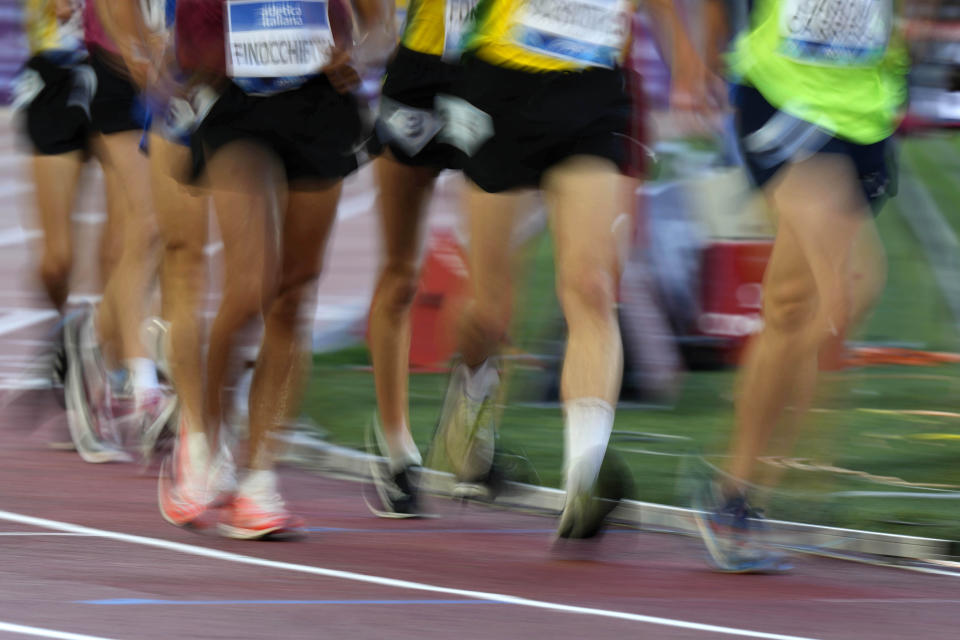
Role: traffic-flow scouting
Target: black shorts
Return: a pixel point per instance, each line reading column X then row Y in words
column 313, row 129
column 770, row 138
column 407, row 122
column 55, row 96
column 520, row 124
column 117, row 105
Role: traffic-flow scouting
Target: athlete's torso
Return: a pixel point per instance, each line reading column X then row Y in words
column 46, row 33
column 836, row 63
column 436, row 27
column 552, row 35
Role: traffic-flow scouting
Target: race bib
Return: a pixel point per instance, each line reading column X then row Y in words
column 457, row 14
column 835, row 32
column 593, row 33
column 277, row 38
column 410, row 129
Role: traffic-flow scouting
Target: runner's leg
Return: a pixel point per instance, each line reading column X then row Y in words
column 404, row 193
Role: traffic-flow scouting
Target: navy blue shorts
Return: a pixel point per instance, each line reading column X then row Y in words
column 770, row 138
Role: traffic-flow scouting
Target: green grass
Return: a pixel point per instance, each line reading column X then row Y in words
column 860, row 428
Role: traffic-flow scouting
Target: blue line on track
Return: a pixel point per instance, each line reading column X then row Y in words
column 349, row 530
column 148, row 601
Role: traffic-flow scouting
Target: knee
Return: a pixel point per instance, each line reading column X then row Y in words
column 55, row 268
column 485, row 324
column 789, row 310
column 286, row 305
column 242, row 302
column 183, row 257
column 589, row 290
column 396, row 289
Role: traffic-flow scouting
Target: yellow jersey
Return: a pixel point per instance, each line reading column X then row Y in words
column 45, row 32
column 552, row 35
column 436, row 27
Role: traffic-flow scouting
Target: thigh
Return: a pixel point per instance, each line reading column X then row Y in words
column 307, row 224
column 249, row 194
column 182, row 213
column 591, row 214
column 492, row 219
column 404, row 194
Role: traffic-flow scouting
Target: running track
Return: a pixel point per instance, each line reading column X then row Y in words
column 85, row 552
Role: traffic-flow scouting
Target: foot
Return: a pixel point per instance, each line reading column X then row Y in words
column 467, row 427
column 398, row 492
column 585, row 512
column 86, row 392
column 259, row 518
column 729, row 526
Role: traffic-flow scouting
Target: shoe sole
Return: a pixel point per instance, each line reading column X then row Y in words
column 376, row 473
column 162, row 480
column 273, row 533
column 78, row 408
column 769, row 566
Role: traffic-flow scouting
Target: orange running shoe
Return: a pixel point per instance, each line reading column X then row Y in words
column 182, row 491
column 248, row 518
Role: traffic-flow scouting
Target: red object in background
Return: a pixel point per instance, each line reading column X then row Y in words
column 439, row 298
column 732, row 293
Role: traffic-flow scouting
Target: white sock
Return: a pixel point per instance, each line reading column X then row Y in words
column 478, row 380
column 587, row 426
column 259, row 483
column 402, row 451
column 143, row 373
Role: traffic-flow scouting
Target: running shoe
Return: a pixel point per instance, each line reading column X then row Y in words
column 181, row 503
column 86, row 392
column 186, row 492
column 467, row 430
column 250, row 518
column 585, row 513
column 728, row 526
column 58, row 363
column 397, row 492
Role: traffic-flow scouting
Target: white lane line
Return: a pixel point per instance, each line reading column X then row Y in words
column 16, row 320
column 45, row 633
column 23, row 384
column 43, row 533
column 378, row 580
column 18, row 235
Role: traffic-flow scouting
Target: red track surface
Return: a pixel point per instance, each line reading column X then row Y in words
column 45, row 579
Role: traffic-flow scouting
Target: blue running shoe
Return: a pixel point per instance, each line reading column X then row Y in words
column 728, row 526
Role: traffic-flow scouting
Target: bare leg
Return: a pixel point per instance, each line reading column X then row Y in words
column 825, row 237
column 56, row 178
column 248, row 196
column 125, row 296
column 404, row 192
column 279, row 376
column 183, row 220
column 591, row 212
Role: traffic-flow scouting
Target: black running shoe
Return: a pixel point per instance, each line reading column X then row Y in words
column 398, row 492
column 585, row 514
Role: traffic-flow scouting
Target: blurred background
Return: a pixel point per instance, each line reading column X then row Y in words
column 883, row 443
